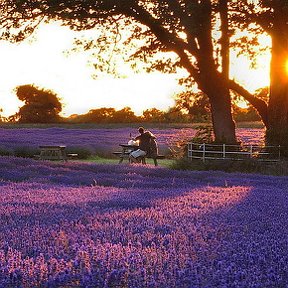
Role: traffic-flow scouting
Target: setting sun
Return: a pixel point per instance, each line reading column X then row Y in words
column 286, row 66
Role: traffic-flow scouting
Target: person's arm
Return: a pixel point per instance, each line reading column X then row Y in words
column 151, row 135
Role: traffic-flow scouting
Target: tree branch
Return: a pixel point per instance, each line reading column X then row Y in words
column 260, row 105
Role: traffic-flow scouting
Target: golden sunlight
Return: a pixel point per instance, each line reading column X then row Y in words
column 286, row 66
column 42, row 61
column 242, row 104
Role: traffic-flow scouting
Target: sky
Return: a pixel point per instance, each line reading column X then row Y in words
column 41, row 60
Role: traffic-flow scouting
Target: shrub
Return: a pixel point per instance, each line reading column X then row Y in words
column 5, row 151
column 25, row 151
column 279, row 168
column 178, row 146
column 83, row 152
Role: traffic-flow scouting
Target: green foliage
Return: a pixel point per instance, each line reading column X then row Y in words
column 125, row 115
column 184, row 29
column 101, row 115
column 204, row 134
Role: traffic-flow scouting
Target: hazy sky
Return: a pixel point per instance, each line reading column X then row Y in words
column 43, row 63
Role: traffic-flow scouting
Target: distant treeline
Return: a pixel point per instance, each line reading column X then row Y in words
column 173, row 115
column 43, row 106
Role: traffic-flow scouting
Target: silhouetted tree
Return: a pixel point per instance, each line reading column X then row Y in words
column 271, row 17
column 175, row 115
column 40, row 106
column 196, row 104
column 125, row 115
column 2, row 118
column 100, row 115
column 106, row 115
column 153, row 115
column 185, row 28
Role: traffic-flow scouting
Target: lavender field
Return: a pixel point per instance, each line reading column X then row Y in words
column 89, row 225
column 101, row 142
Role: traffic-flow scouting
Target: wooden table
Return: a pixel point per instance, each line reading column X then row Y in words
column 126, row 150
column 52, row 152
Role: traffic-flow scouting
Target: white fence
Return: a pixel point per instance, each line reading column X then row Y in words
column 207, row 151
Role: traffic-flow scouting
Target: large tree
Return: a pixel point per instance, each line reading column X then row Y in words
column 179, row 26
column 271, row 16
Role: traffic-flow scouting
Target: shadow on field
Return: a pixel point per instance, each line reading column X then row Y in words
column 249, row 246
column 207, row 229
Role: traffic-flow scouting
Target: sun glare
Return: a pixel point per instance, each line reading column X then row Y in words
column 286, row 66
column 242, row 104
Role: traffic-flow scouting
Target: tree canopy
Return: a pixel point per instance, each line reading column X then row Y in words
column 40, row 106
column 181, row 27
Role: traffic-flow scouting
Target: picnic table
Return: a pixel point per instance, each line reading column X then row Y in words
column 127, row 149
column 53, row 152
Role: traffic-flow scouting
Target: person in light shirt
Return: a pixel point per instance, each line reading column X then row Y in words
column 144, row 142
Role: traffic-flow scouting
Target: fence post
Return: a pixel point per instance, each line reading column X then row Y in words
column 224, row 150
column 251, row 151
column 203, row 155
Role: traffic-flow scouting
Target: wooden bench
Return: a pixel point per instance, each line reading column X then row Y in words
column 72, row 155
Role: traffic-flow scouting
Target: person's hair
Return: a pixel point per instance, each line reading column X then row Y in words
column 141, row 130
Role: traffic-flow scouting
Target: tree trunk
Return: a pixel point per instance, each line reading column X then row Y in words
column 220, row 101
column 223, row 124
column 277, row 130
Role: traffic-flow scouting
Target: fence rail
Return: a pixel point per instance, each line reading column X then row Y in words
column 207, row 151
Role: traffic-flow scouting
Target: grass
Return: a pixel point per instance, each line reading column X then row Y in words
column 99, row 160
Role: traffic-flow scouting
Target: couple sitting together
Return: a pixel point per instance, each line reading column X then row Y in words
column 147, row 146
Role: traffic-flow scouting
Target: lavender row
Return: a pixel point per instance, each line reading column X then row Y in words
column 97, row 141
column 88, row 225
